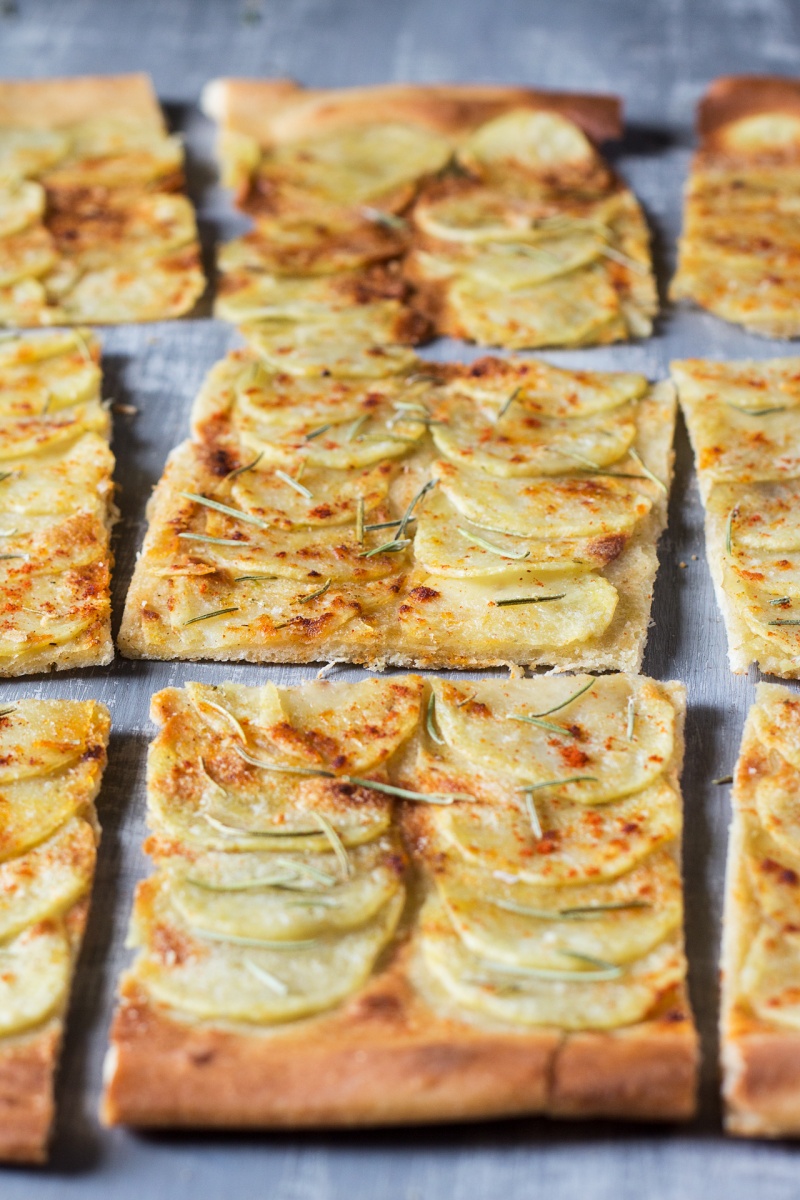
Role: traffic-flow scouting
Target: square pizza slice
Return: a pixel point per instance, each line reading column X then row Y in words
column 56, row 505
column 744, row 423
column 760, row 1033
column 507, row 222
column 443, row 515
column 739, row 256
column 94, row 225
column 52, row 756
column 405, row 900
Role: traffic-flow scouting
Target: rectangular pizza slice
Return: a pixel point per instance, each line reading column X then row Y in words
column 744, row 423
column 760, row 1034
column 440, row 516
column 52, row 756
column 409, row 899
column 56, row 505
column 492, row 203
column 739, row 253
column 93, row 224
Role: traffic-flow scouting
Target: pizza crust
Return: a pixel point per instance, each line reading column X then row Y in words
column 731, row 97
column 31, row 103
column 274, row 111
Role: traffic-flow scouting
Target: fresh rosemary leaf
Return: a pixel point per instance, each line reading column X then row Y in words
column 214, row 541
column 404, row 793
column 315, row 433
column 723, row 779
column 636, row 456
column 218, row 612
column 254, row 578
column 557, row 708
column 336, row 844
column 393, row 547
column 204, row 702
column 528, row 600
column 360, row 521
column 507, row 405
column 282, row 768
column 732, row 515
column 225, row 509
column 756, row 412
column 357, row 426
column 549, row 725
column 430, row 721
column 408, row 514
column 227, row 828
column 784, row 621
column 298, row 487
column 578, row 913
column 314, row 595
column 516, row 556
column 781, row 600
column 606, row 971
column 548, row 783
column 247, row 467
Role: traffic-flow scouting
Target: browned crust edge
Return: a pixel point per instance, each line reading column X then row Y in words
column 26, row 1096
column 386, row 1058
column 732, row 97
column 762, row 1083
column 29, row 103
column 267, row 109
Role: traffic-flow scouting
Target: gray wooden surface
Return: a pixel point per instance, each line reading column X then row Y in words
column 658, row 54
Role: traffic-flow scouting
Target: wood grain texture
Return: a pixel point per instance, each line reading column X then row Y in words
column 659, row 55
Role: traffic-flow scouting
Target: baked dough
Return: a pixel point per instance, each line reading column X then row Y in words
column 760, row 1041
column 511, row 229
column 56, row 505
column 53, row 755
column 260, row 996
column 94, row 226
column 743, row 423
column 510, row 513
column 739, row 256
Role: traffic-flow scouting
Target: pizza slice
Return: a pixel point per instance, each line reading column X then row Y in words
column 509, row 225
column 441, row 515
column 52, row 755
column 739, row 256
column 760, row 1033
column 743, row 423
column 94, row 227
column 406, row 900
column 56, row 505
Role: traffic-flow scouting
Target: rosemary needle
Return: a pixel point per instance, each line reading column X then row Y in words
column 631, row 717
column 226, row 509
column 528, row 600
column 219, row 612
column 298, row 487
column 540, row 724
column 315, row 433
column 533, row 817
column 379, row 216
column 732, row 515
column 276, row 985
column 247, row 467
column 636, row 456
column 549, row 711
column 430, row 721
column 214, row 541
column 507, row 404
column 548, row 783
column 360, row 521
column 723, row 779
column 516, row 555
column 314, row 595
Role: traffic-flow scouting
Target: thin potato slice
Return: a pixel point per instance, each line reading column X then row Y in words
column 34, row 977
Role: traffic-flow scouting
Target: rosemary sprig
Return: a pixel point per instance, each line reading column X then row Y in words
column 756, row 412
column 314, row 595
column 404, row 793
column 357, row 426
column 218, row 612
column 548, row 783
column 474, row 538
column 298, row 487
column 602, row 970
column 540, row 724
column 732, row 515
column 577, row 913
column 315, row 433
column 382, row 525
column 528, row 600
column 263, row 976
column 557, row 708
column 507, row 405
column 631, row 717
column 337, row 845
column 226, row 509
column 636, row 456
column 430, row 721
column 247, row 467
column 360, row 521
column 533, row 817
column 379, row 217
column 214, row 541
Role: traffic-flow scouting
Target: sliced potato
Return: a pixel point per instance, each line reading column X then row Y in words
column 360, row 341
column 580, row 845
column 335, row 496
column 542, row 927
column 580, row 997
column 224, row 980
column 551, row 510
column 26, row 152
column 770, row 974
column 514, row 265
column 42, row 736
column 533, row 140
column 45, row 434
column 21, row 204
column 28, row 253
column 48, row 880
column 34, row 977
column 778, row 805
column 156, row 290
column 356, row 164
column 62, row 483
column 773, row 872
column 594, row 740
column 311, row 897
column 522, row 443
column 777, row 725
